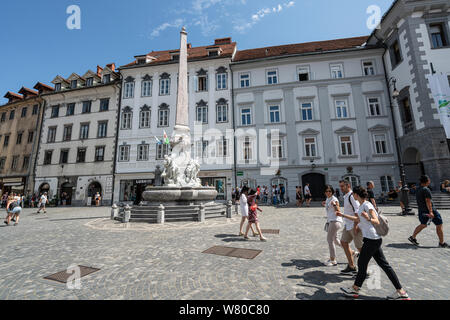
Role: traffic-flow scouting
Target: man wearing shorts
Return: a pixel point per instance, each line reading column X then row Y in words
column 351, row 231
column 42, row 202
column 427, row 213
column 308, row 196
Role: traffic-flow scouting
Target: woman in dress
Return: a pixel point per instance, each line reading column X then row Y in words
column 253, row 216
column 244, row 210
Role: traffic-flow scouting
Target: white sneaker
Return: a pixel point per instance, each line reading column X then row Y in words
column 330, row 263
column 398, row 296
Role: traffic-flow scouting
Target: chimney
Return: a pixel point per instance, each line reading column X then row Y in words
column 222, row 41
column 112, row 66
column 189, row 45
column 99, row 71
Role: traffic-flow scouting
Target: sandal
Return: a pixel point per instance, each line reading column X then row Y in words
column 246, row 238
column 241, row 234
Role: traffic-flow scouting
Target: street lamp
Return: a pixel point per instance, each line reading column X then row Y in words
column 392, row 82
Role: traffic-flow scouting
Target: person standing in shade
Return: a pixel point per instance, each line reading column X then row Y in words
column 371, row 194
column 282, row 194
column 427, row 213
column 98, row 198
column 243, row 201
column 367, row 218
column 308, row 195
column 334, row 223
column 299, row 196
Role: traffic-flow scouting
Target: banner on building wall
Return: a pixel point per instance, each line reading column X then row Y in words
column 440, row 89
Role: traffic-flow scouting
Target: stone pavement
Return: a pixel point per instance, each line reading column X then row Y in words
column 167, row 263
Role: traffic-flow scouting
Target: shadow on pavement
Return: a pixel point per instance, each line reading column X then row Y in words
column 320, row 278
column 226, row 236
column 72, row 219
column 321, row 294
column 407, row 246
column 303, row 264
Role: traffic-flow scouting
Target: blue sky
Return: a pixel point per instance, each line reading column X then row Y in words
column 37, row 45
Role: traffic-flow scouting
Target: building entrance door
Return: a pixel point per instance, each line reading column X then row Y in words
column 316, row 185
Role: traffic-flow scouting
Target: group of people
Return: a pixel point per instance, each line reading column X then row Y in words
column 303, row 195
column 14, row 206
column 248, row 201
column 358, row 220
column 29, row 200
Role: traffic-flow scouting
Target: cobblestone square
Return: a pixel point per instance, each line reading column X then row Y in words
column 143, row 262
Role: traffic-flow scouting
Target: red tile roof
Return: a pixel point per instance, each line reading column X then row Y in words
column 194, row 53
column 299, row 48
column 41, row 87
column 13, row 95
column 28, row 92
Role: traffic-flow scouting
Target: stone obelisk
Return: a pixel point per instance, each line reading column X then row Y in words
column 182, row 119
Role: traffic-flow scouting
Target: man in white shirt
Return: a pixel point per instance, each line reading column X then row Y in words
column 42, row 202
column 308, row 195
column 351, row 231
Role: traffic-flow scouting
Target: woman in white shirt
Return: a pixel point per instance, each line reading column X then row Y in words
column 244, row 211
column 367, row 218
column 334, row 223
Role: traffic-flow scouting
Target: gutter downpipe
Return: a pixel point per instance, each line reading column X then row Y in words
column 117, row 137
column 234, row 129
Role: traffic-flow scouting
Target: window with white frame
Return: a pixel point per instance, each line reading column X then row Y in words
column 164, row 87
column 310, row 147
column 337, row 71
column 142, row 152
column 380, row 143
column 201, row 112
column 128, row 90
column 354, row 180
column 387, row 183
column 202, row 83
column 303, row 73
column 369, row 68
column 222, row 112
column 147, row 88
column 222, row 81
column 124, row 153
column 201, row 148
column 162, row 150
column 346, row 145
column 144, row 117
column 306, row 111
column 274, row 114
column 374, row 106
column 127, row 117
column 272, row 76
column 248, row 149
column 222, row 147
column 276, row 148
column 246, row 116
column 244, row 79
column 341, row 109
column 163, row 117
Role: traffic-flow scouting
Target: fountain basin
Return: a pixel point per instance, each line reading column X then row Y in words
column 174, row 194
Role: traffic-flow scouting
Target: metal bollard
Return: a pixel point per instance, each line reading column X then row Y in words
column 201, row 213
column 160, row 219
column 229, row 209
column 114, row 211
column 127, row 214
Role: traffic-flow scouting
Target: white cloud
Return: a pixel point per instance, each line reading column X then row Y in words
column 175, row 24
column 255, row 18
column 200, row 5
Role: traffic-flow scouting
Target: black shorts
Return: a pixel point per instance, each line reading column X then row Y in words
column 307, row 197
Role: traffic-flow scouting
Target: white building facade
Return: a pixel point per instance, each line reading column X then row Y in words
column 148, row 110
column 313, row 113
column 77, row 143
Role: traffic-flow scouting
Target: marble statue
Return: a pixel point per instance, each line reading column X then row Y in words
column 191, row 174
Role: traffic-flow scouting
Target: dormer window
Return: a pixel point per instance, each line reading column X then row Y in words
column 106, row 78
column 89, row 82
column 141, row 60
column 176, row 57
column 214, row 51
column 58, row 87
column 73, row 84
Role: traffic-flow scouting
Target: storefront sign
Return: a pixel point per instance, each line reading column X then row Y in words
column 240, row 173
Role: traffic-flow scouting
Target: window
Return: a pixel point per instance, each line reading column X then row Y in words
column 48, row 157
column 14, row 163
column 274, row 114
column 222, row 113
column 55, row 112
column 163, row 117
column 81, row 155
column 87, row 106
column 438, row 35
column 354, row 180
column 310, row 147
column 99, row 154
column 67, row 134
column 84, row 131
column 245, row 80
column 272, row 77
column 374, row 107
column 395, row 54
column 106, row 78
column 407, row 117
column 222, row 81
column 248, row 149
column 51, row 136
column 142, row 152
column 89, row 82
column 222, row 147
column 24, row 112
column 146, row 88
column 380, row 144
column 70, row 109
column 303, row 73
column 337, row 71
column 2, row 163
column 246, row 116
column 102, row 129
column 73, row 84
column 369, row 68
column 6, row 141
column 26, row 162
column 30, row 136
column 19, row 138
column 201, row 113
column 104, row 105
column 124, row 153
column 346, row 146
column 277, row 148
column 387, row 184
column 161, row 151
column 144, row 118
column 11, row 115
column 64, row 156
column 306, row 111
column 164, row 87
column 57, row 87
column 202, row 83
column 201, row 148
column 127, row 117
column 35, row 109
column 3, row 118
column 128, row 90
column 341, row 109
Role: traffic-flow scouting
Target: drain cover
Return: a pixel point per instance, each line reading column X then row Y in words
column 63, row 276
column 270, row 231
column 233, row 252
